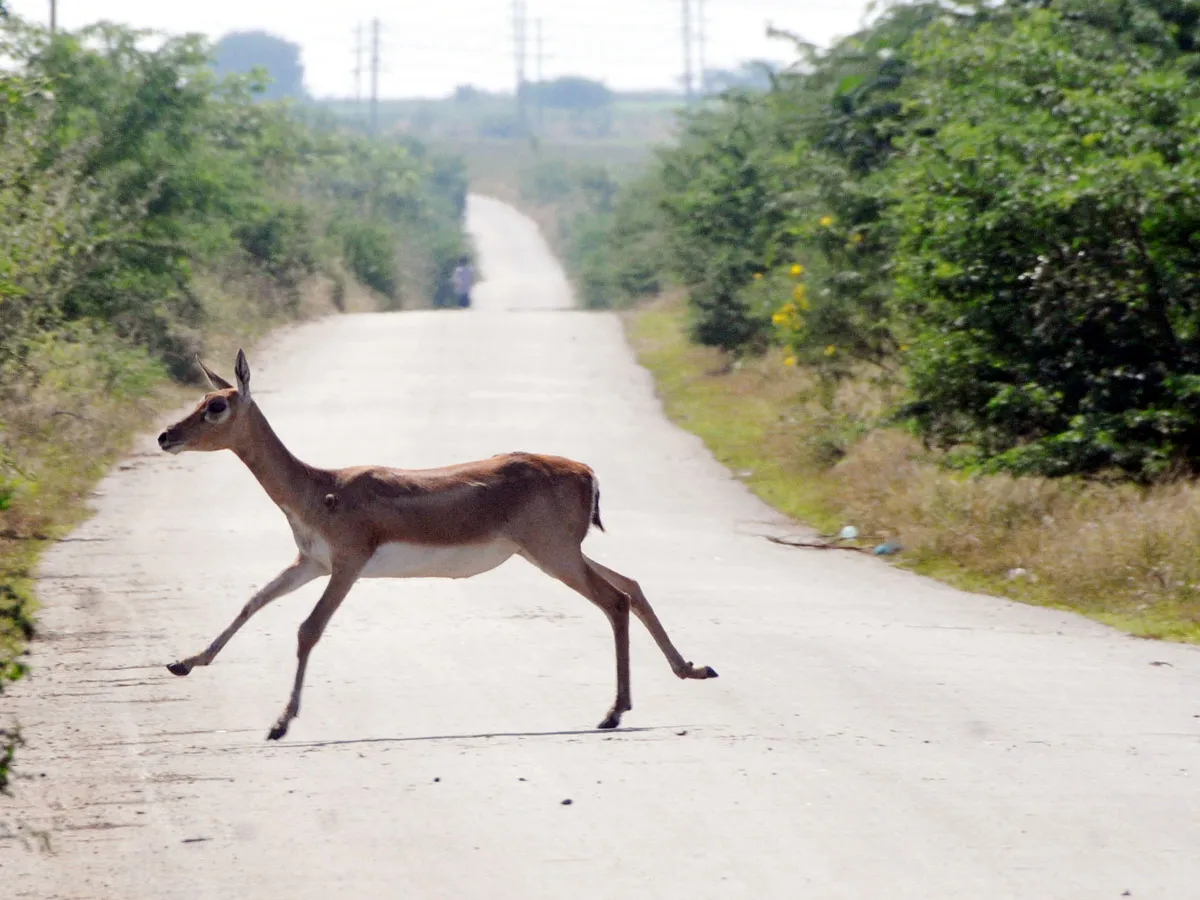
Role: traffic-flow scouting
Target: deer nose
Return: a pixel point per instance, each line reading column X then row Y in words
column 164, row 439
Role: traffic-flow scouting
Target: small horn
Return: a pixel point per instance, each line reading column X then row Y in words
column 213, row 378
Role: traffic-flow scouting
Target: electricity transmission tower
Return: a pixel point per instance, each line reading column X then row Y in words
column 695, row 48
column 686, row 9
column 358, row 68
column 540, row 80
column 374, row 76
column 520, row 23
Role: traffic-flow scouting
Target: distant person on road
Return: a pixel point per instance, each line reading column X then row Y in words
column 462, row 281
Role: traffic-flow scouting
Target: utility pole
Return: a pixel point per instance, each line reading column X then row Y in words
column 541, row 82
column 519, row 24
column 687, row 49
column 374, row 76
column 53, row 17
column 358, row 67
column 701, row 41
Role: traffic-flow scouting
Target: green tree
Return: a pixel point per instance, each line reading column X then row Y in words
column 1048, row 212
column 242, row 52
column 721, row 205
column 572, row 92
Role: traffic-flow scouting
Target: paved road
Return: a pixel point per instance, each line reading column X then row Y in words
column 873, row 734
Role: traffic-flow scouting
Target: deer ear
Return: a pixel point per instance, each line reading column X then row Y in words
column 214, row 379
column 242, row 370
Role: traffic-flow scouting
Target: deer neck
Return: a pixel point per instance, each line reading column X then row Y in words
column 286, row 479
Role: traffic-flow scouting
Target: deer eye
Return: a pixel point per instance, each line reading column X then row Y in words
column 218, row 406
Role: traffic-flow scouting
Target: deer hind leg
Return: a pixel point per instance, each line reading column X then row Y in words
column 572, row 569
column 298, row 574
column 340, row 582
column 645, row 613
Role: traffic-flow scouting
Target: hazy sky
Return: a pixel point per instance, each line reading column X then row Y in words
column 429, row 46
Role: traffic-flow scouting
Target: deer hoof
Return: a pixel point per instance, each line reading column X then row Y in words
column 179, row 668
column 277, row 732
column 612, row 720
column 710, row 672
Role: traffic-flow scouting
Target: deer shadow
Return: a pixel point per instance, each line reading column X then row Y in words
column 347, row 742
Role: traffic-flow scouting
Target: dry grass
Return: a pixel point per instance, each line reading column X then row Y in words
column 753, row 416
column 1118, row 553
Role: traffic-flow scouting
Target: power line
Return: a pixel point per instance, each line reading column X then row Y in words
column 374, row 75
column 539, row 53
column 701, row 46
column 539, row 57
column 686, row 8
column 520, row 22
column 358, row 66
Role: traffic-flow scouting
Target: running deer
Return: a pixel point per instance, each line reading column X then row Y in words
column 380, row 522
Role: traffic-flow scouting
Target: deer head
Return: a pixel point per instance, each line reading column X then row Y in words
column 218, row 421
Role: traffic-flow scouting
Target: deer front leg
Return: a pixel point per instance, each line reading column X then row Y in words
column 298, row 574
column 340, row 582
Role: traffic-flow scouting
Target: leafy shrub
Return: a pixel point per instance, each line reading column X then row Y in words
column 549, row 181
column 11, row 480
column 281, row 239
column 993, row 204
column 627, row 254
column 369, row 248
column 1048, row 209
column 722, row 215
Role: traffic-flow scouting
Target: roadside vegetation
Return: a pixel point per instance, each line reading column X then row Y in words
column 559, row 155
column 570, row 195
column 153, row 211
column 941, row 281
column 566, row 112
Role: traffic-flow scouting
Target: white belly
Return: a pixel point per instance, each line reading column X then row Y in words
column 402, row 560
column 425, row 561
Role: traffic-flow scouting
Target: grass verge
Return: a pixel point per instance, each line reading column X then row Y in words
column 1124, row 555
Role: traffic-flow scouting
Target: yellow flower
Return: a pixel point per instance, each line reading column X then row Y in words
column 799, row 292
column 797, row 270
column 830, row 350
column 826, row 221
column 790, row 361
column 780, row 318
column 857, row 238
column 904, row 348
column 758, row 276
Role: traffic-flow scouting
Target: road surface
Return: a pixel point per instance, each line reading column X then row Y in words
column 873, row 734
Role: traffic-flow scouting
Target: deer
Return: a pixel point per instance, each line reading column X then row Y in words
column 456, row 521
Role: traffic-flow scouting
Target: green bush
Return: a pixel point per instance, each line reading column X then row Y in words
column 720, row 205
column 1048, row 213
column 992, row 205
column 624, row 257
column 370, row 252
column 282, row 240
